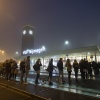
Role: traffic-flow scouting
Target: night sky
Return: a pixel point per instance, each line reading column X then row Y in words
column 55, row 21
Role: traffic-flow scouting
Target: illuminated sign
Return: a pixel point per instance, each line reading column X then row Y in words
column 31, row 51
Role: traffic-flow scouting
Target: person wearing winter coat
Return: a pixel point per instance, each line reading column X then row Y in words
column 69, row 69
column 60, row 69
column 76, row 67
column 37, row 70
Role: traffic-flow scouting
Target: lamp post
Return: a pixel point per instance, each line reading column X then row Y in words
column 66, row 43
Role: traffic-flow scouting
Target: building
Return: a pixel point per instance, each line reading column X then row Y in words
column 27, row 38
column 90, row 53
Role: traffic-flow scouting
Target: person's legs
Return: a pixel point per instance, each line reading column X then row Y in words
column 37, row 76
column 76, row 75
column 62, row 76
column 59, row 76
column 26, row 75
column 69, row 74
column 50, row 77
column 21, row 77
column 7, row 75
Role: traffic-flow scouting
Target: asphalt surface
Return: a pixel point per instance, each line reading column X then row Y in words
column 8, row 94
column 88, row 87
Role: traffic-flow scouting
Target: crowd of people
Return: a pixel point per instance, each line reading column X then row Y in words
column 9, row 69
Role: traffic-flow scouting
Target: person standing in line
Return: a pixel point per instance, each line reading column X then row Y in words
column 37, row 69
column 27, row 68
column 69, row 69
column 12, row 70
column 90, row 70
column 50, row 70
column 76, row 67
column 60, row 68
column 85, row 69
column 22, row 69
column 7, row 69
column 15, row 70
column 81, row 66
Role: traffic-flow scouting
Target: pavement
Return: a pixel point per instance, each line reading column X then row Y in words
column 88, row 87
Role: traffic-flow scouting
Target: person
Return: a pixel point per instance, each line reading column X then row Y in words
column 76, row 67
column 22, row 70
column 85, row 69
column 90, row 70
column 37, row 69
column 94, row 65
column 7, row 69
column 50, row 70
column 81, row 66
column 69, row 69
column 16, row 70
column 12, row 70
column 60, row 69
column 27, row 68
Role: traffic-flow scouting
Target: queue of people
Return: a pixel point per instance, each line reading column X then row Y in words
column 9, row 69
column 86, row 69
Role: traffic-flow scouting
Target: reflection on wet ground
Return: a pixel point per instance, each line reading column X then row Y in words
column 87, row 87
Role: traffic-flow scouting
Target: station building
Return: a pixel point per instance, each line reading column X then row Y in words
column 91, row 53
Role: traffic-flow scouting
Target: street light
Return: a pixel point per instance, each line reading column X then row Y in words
column 2, row 52
column 66, row 43
column 16, row 53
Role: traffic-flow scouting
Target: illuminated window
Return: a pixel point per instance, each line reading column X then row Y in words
column 31, row 32
column 24, row 32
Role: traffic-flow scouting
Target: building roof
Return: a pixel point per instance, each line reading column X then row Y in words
column 76, row 51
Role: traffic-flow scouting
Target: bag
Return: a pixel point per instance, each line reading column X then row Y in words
column 48, row 69
column 34, row 67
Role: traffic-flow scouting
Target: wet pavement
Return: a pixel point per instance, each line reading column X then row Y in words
column 7, row 94
column 88, row 87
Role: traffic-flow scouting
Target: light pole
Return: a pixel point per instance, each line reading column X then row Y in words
column 66, row 43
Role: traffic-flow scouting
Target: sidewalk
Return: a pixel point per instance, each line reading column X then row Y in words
column 88, row 87
column 54, row 92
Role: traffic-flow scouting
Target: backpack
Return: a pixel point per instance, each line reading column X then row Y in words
column 35, row 67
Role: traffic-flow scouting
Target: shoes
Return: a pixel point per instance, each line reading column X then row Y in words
column 37, row 83
column 26, row 83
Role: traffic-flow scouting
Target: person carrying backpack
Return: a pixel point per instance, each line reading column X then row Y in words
column 37, row 70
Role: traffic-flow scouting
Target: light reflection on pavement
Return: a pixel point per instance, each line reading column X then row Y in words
column 66, row 87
